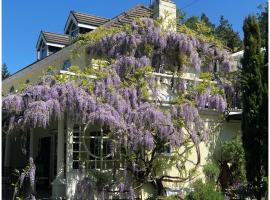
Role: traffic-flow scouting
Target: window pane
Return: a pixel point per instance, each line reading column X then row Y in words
column 66, row 65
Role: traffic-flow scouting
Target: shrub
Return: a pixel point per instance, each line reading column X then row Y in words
column 211, row 172
column 233, row 152
column 204, row 191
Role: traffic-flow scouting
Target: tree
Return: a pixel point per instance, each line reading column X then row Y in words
column 123, row 99
column 5, row 73
column 206, row 20
column 225, row 32
column 263, row 22
column 180, row 16
column 252, row 90
column 191, row 22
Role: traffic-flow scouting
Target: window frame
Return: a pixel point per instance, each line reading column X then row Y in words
column 83, row 150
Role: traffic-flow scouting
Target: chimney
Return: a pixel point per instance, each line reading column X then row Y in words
column 165, row 9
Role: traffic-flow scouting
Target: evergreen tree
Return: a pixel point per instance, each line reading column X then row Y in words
column 5, row 72
column 225, row 32
column 252, row 89
column 263, row 22
column 192, row 22
column 180, row 16
column 206, row 20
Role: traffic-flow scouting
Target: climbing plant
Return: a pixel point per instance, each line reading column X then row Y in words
column 119, row 90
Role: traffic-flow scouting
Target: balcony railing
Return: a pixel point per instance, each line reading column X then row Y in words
column 165, row 94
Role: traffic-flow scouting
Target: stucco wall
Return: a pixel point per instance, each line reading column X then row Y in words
column 34, row 72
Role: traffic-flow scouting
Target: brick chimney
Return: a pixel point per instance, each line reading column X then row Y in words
column 165, row 9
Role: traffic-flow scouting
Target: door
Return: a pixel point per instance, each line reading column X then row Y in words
column 43, row 163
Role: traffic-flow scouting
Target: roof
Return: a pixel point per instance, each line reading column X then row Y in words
column 56, row 38
column 129, row 16
column 87, row 19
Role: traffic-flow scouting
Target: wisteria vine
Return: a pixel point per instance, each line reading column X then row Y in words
column 123, row 97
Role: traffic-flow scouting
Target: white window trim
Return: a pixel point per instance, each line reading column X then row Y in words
column 87, row 26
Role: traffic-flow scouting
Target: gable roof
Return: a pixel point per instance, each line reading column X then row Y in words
column 84, row 19
column 129, row 16
column 118, row 21
column 53, row 38
column 89, row 19
column 56, row 38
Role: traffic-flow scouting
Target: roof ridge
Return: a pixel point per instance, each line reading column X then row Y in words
column 117, row 17
column 89, row 14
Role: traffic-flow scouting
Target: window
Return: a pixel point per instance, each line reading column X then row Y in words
column 94, row 148
column 53, row 49
column 12, row 89
column 43, row 51
column 74, row 31
column 66, row 65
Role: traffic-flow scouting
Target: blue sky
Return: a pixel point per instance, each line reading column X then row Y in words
column 22, row 21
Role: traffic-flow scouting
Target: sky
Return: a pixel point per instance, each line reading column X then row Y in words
column 22, row 21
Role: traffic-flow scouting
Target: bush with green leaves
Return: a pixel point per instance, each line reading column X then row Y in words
column 204, row 191
column 233, row 153
column 211, row 171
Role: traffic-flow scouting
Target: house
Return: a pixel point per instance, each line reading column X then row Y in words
column 57, row 149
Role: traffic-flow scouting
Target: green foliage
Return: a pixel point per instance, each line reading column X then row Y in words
column 173, row 197
column 102, row 178
column 230, row 38
column 204, row 191
column 205, row 76
column 233, row 152
column 208, row 23
column 192, row 22
column 263, row 23
column 253, row 120
column 95, row 35
column 180, row 16
column 5, row 72
column 211, row 172
column 202, row 32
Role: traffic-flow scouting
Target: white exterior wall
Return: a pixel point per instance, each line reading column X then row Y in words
column 165, row 9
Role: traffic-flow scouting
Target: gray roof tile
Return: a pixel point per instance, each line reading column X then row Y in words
column 56, row 38
column 129, row 16
column 89, row 19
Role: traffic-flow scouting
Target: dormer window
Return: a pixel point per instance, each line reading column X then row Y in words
column 79, row 23
column 74, row 31
column 49, row 43
column 43, row 50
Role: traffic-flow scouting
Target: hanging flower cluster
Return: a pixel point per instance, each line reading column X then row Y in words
column 162, row 48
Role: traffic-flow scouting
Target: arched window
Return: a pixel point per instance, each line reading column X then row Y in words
column 93, row 147
column 66, row 65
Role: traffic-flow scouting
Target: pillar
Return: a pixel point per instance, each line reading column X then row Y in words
column 59, row 183
column 31, row 148
column 7, row 154
column 70, row 189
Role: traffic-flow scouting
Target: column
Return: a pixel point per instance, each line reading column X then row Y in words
column 60, row 149
column 7, row 154
column 31, row 143
column 59, row 183
column 69, row 160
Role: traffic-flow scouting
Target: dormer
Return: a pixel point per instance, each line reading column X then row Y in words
column 49, row 43
column 82, row 23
